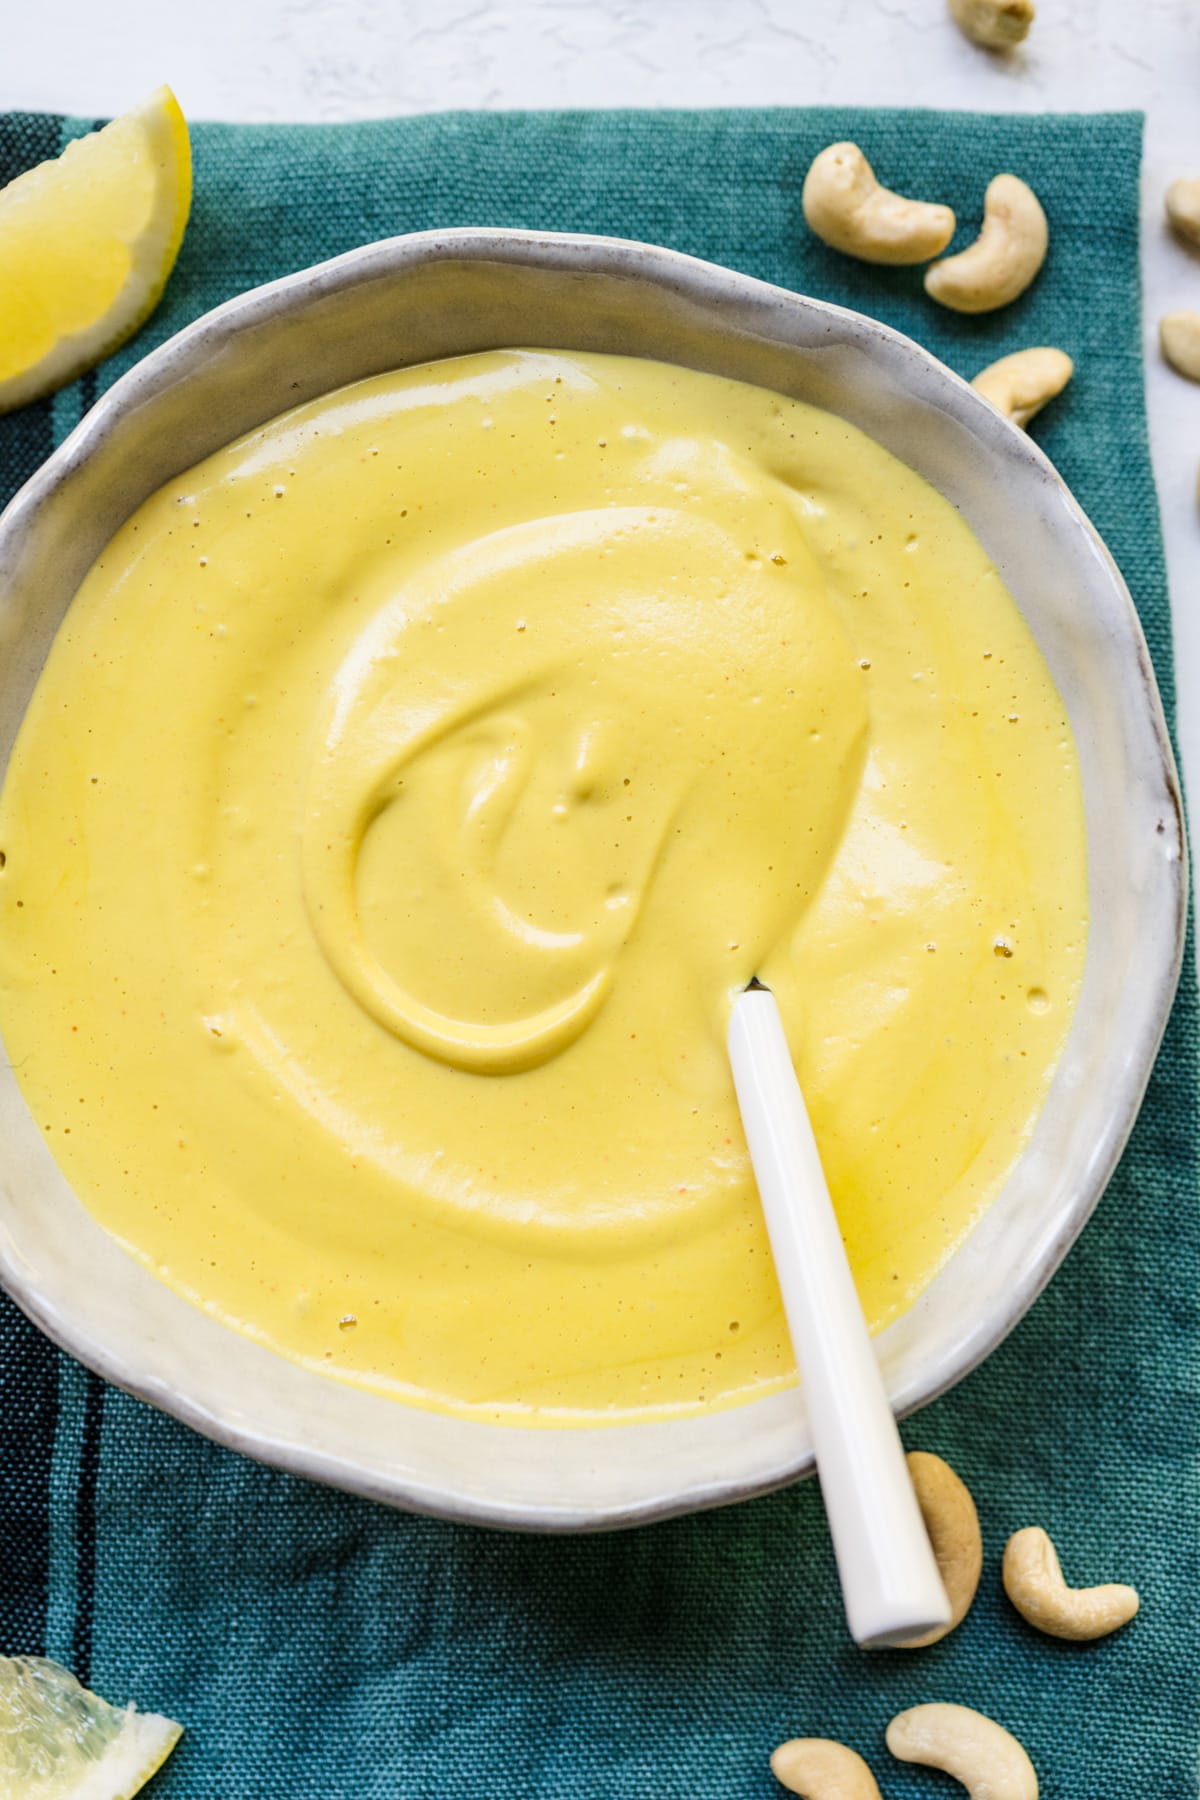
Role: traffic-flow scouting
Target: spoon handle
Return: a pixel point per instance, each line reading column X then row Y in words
column 890, row 1582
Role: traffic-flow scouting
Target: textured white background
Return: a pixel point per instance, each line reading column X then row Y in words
column 338, row 59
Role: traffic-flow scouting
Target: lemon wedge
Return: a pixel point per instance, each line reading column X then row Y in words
column 86, row 245
column 60, row 1742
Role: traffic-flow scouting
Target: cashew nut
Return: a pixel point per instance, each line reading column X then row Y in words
column 1183, row 207
column 820, row 1769
column 1004, row 258
column 953, row 1526
column 848, row 209
column 1033, row 1581
column 987, row 1759
column 996, row 24
column 1179, row 335
column 1020, row 385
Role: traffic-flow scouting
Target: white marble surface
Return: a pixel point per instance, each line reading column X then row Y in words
column 336, row 59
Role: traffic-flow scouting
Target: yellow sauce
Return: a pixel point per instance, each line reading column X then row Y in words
column 409, row 790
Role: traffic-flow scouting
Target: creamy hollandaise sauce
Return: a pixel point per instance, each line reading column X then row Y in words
column 410, row 788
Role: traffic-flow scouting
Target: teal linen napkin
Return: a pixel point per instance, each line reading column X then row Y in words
column 315, row 1645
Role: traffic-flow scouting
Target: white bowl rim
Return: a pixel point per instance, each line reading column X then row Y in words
column 709, row 286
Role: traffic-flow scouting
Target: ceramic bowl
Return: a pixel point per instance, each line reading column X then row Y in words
column 441, row 294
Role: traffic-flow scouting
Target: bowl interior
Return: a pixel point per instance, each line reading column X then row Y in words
column 439, row 294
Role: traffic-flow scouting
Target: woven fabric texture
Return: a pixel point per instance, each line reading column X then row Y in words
column 315, row 1645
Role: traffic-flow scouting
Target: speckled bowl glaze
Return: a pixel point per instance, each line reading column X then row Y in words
column 440, row 294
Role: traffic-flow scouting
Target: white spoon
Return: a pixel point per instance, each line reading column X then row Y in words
column 890, row 1582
